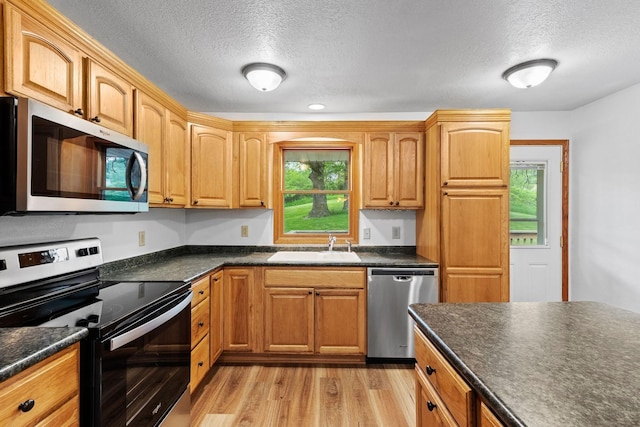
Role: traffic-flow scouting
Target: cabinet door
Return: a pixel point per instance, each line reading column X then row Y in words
column 475, row 245
column 176, row 155
column 211, row 167
column 215, row 328
column 238, row 306
column 408, row 170
column 340, row 321
column 109, row 99
column 288, row 320
column 378, row 171
column 39, row 64
column 486, row 417
column 475, row 154
column 150, row 129
column 253, row 169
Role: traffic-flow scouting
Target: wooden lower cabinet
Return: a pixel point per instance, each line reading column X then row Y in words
column 53, row 386
column 324, row 319
column 239, row 302
column 443, row 398
column 199, row 331
column 215, row 325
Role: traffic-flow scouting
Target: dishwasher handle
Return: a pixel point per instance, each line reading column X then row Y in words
column 402, row 272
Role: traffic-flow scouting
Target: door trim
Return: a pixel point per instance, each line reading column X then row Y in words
column 564, row 143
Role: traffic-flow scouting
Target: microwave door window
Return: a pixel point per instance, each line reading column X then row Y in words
column 65, row 162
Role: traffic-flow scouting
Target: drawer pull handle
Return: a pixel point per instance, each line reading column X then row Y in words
column 27, row 405
column 201, row 324
column 201, row 363
column 201, row 292
column 431, row 406
column 430, row 370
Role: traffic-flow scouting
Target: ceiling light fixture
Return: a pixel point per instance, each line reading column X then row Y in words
column 316, row 106
column 264, row 77
column 530, row 73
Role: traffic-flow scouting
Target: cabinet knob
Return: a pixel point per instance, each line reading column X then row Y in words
column 201, row 324
column 201, row 363
column 430, row 370
column 201, row 292
column 215, row 279
column 445, row 183
column 310, row 292
column 170, row 199
column 261, row 202
column 79, row 112
column 195, row 202
column 96, row 119
column 431, row 406
column 397, row 203
column 318, row 293
column 166, row 200
column 27, row 405
column 391, row 203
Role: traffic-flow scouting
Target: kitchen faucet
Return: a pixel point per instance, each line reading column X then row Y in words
column 332, row 241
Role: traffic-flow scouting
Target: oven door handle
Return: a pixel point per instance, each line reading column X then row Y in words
column 138, row 331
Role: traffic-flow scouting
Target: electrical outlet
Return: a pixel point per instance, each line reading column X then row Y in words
column 244, row 231
column 395, row 232
column 141, row 238
column 366, row 233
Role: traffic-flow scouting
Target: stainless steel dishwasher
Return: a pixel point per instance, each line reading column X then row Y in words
column 389, row 293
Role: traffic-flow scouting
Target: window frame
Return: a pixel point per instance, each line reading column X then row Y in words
column 279, row 236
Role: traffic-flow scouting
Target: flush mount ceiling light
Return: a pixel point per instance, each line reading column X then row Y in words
column 316, row 106
column 264, row 77
column 530, row 73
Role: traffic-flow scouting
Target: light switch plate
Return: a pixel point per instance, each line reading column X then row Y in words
column 141, row 238
column 366, row 233
column 395, row 232
column 244, row 231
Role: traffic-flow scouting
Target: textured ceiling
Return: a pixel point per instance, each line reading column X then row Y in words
column 370, row 56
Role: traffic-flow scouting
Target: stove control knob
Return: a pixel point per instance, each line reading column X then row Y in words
column 83, row 252
column 83, row 323
column 3, row 264
column 93, row 318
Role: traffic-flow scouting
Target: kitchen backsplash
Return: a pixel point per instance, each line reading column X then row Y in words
column 169, row 228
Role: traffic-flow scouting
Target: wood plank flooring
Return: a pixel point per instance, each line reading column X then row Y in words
column 306, row 396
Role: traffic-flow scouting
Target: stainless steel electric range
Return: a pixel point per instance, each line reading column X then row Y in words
column 134, row 366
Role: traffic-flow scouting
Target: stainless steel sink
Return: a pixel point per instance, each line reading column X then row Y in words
column 309, row 256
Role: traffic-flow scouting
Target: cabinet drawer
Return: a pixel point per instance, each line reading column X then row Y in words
column 430, row 410
column 453, row 390
column 49, row 384
column 199, row 322
column 199, row 363
column 68, row 415
column 315, row 277
column 200, row 290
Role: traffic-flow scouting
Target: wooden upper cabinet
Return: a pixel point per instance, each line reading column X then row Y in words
column 39, row 64
column 150, row 129
column 253, row 184
column 475, row 154
column 211, row 167
column 166, row 134
column 393, row 170
column 109, row 98
column 176, row 160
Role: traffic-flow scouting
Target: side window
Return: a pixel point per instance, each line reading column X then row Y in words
column 527, row 216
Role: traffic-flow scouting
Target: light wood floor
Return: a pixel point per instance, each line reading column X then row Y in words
column 306, row 396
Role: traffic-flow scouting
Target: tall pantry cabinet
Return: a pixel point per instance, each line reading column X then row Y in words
column 465, row 223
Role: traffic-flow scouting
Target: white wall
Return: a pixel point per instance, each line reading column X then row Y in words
column 604, row 193
column 605, row 201
column 222, row 227
column 164, row 229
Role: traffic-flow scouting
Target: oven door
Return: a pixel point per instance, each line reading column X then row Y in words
column 143, row 371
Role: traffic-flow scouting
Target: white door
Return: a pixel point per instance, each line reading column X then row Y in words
column 536, row 223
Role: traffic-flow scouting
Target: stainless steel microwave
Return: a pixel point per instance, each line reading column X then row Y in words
column 52, row 161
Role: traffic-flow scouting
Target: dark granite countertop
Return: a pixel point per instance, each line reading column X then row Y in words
column 186, row 266
column 24, row 347
column 543, row 364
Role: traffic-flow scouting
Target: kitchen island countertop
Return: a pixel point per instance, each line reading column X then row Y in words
column 188, row 266
column 24, row 347
column 543, row 364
